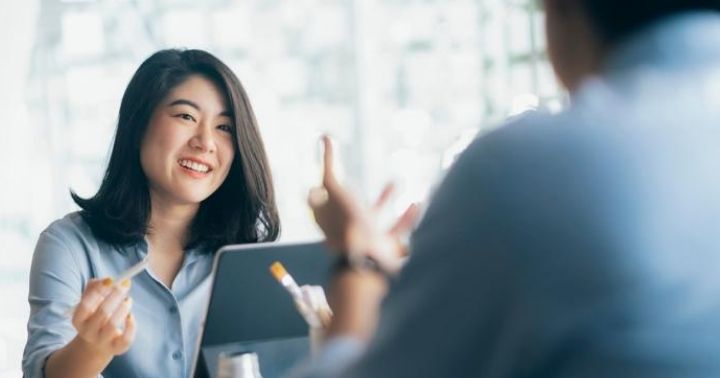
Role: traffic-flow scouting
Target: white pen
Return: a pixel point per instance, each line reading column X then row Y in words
column 278, row 271
column 134, row 270
column 126, row 275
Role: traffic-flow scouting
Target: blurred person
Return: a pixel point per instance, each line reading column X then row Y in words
column 187, row 174
column 581, row 244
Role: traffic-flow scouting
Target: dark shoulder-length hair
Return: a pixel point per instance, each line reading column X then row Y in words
column 243, row 208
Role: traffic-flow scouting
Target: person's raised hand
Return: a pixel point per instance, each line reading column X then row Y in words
column 350, row 228
column 103, row 319
column 336, row 211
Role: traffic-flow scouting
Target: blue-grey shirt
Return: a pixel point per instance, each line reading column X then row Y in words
column 168, row 319
column 583, row 244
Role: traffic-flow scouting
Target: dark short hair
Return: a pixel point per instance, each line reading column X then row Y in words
column 616, row 20
column 243, row 208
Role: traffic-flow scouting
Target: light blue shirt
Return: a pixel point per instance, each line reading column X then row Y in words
column 168, row 319
column 583, row 244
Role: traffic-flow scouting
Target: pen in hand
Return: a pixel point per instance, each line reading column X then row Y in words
column 126, row 275
column 310, row 301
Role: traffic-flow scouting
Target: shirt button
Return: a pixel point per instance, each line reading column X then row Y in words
column 173, row 309
column 176, row 355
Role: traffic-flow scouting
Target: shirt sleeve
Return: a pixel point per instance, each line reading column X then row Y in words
column 56, row 285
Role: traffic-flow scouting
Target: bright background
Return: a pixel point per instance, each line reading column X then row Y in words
column 402, row 85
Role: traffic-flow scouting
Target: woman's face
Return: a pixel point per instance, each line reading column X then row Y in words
column 188, row 147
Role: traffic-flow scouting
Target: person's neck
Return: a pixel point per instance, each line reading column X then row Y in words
column 589, row 59
column 169, row 223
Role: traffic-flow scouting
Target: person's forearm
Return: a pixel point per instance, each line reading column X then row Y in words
column 356, row 298
column 76, row 360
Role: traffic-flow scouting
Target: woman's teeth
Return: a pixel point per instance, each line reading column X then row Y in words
column 195, row 166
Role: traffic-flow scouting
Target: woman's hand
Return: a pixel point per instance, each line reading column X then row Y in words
column 105, row 328
column 350, row 228
column 103, row 319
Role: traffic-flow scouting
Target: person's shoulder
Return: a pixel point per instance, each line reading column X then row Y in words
column 70, row 229
column 491, row 158
column 537, row 128
column 535, row 149
column 517, row 136
column 64, row 245
column 544, row 137
column 70, row 223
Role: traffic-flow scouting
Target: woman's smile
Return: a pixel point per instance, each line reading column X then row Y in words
column 195, row 168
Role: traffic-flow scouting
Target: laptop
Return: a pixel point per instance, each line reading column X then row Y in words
column 249, row 311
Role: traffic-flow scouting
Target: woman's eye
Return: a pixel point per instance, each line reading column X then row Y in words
column 226, row 128
column 186, row 117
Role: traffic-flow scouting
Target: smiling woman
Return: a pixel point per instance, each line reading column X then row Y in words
column 172, row 85
column 187, row 173
column 188, row 149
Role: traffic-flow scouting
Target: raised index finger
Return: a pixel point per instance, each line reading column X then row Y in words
column 328, row 162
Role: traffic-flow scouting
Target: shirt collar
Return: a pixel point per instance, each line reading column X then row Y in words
column 191, row 255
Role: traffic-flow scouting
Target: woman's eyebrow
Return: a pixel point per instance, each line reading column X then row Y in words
column 183, row 101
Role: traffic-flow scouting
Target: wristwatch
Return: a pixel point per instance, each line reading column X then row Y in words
column 360, row 262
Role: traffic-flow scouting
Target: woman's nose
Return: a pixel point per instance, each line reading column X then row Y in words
column 203, row 140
